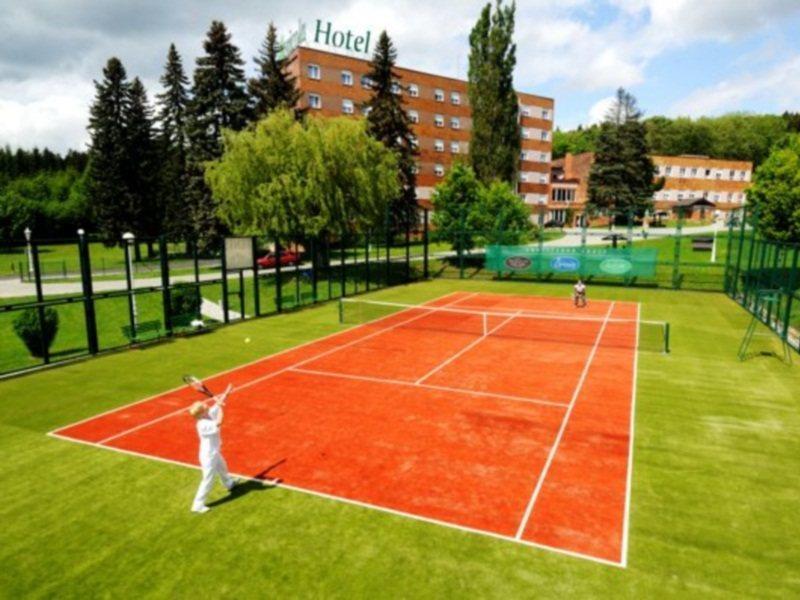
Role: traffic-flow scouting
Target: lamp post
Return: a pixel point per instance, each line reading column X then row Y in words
column 130, row 239
column 29, row 251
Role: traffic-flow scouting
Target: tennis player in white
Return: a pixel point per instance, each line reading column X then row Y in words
column 208, row 422
column 579, row 293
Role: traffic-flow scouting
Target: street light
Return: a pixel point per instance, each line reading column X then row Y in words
column 29, row 250
column 129, row 239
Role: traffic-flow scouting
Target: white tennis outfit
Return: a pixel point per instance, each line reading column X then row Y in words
column 210, row 457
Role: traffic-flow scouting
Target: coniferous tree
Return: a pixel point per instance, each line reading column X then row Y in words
column 109, row 196
column 273, row 87
column 622, row 175
column 141, row 164
column 388, row 122
column 495, row 138
column 219, row 101
column 172, row 141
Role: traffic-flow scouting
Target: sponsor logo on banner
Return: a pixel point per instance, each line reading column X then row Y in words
column 616, row 266
column 565, row 263
column 518, row 263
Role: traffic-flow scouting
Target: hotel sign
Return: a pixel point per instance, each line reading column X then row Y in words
column 326, row 36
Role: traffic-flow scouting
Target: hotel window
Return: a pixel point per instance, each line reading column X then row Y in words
column 454, row 148
column 545, row 113
column 455, row 123
column 694, row 172
column 438, row 120
column 683, row 172
column 708, row 172
column 413, row 116
column 366, row 82
column 680, row 196
column 719, row 174
column 347, row 78
column 542, row 177
column 523, row 155
column 313, row 72
column 314, row 101
column 455, row 98
column 668, row 170
column 438, row 145
column 732, row 174
column 716, row 197
column 544, row 157
column 413, row 90
column 438, row 95
column 525, row 111
column 396, row 89
column 438, row 170
column 523, row 176
column 744, row 174
column 545, row 135
column 347, row 106
column 526, row 134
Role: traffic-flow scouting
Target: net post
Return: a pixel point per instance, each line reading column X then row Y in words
column 341, row 311
column 342, row 265
column 313, row 243
column 666, row 337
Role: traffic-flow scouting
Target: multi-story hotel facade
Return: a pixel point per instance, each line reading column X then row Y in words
column 334, row 84
column 701, row 186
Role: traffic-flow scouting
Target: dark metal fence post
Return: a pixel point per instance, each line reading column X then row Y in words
column 676, row 272
column 425, row 243
column 298, row 297
column 790, row 287
column 225, row 307
column 256, row 290
column 342, row 266
column 328, row 265
column 388, row 250
column 738, row 272
column 129, row 286
column 88, row 300
column 462, row 225
column 408, row 248
column 37, row 275
column 196, row 264
column 366, row 257
column 166, row 295
column 314, row 265
column 726, row 275
column 278, row 282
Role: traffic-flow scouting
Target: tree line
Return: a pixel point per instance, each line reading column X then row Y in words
column 736, row 136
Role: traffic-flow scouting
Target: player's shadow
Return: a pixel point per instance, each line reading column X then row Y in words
column 257, row 483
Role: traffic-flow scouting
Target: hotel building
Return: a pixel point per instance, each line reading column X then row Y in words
column 336, row 84
column 703, row 187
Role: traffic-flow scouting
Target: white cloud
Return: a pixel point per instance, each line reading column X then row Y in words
column 599, row 109
column 779, row 86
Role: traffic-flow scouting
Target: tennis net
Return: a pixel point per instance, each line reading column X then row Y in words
column 522, row 325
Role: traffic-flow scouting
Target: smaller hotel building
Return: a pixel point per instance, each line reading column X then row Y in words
column 335, row 84
column 702, row 186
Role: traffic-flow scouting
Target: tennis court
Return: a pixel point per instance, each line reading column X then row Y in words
column 506, row 415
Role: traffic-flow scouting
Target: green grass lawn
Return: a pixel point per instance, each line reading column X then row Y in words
column 714, row 502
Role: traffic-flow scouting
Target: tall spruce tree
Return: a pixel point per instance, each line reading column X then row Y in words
column 495, row 138
column 219, row 101
column 622, row 177
column 272, row 87
column 141, row 164
column 107, row 187
column 172, row 140
column 388, row 122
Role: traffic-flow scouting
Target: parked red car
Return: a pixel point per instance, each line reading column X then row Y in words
column 288, row 258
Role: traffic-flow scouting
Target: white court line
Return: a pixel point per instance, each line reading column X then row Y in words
column 252, row 382
column 428, row 386
column 358, row 503
column 465, row 349
column 629, row 482
column 237, row 367
column 564, row 421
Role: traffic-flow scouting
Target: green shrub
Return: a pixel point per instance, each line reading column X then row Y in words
column 185, row 300
column 32, row 334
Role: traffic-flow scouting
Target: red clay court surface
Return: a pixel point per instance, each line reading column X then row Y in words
column 523, row 434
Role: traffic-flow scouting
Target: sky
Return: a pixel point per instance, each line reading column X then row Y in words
column 678, row 57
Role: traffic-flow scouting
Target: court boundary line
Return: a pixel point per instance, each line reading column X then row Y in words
column 465, row 349
column 564, row 421
column 442, row 388
column 242, row 366
column 631, row 438
column 352, row 502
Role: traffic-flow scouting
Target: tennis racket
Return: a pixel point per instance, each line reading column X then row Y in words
column 198, row 385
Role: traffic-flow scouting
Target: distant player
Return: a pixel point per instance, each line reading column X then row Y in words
column 208, row 422
column 579, row 294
